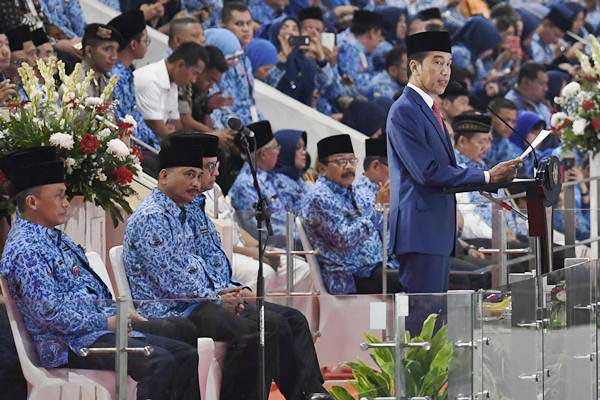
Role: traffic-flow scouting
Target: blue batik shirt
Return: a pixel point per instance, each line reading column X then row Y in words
column 353, row 61
column 483, row 205
column 65, row 15
column 262, row 12
column 383, row 85
column 161, row 262
column 207, row 244
column 114, row 4
column 243, row 199
column 367, row 189
column 237, row 82
column 344, row 227
column 502, row 150
column 63, row 303
column 125, row 93
column 542, row 53
column 290, row 191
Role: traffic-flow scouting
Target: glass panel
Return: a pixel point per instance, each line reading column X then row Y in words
column 438, row 358
column 512, row 342
column 569, row 337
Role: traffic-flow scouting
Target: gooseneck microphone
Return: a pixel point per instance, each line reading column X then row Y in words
column 535, row 159
column 235, row 124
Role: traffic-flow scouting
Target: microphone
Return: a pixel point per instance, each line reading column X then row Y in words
column 535, row 159
column 235, row 124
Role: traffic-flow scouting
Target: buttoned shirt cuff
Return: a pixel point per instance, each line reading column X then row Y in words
column 486, row 174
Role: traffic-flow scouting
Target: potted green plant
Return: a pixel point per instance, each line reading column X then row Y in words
column 425, row 371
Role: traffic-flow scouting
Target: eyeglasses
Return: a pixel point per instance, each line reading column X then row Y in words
column 211, row 167
column 343, row 162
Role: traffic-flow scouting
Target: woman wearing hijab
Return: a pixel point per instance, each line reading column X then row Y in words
column 294, row 74
column 474, row 46
column 291, row 163
column 530, row 25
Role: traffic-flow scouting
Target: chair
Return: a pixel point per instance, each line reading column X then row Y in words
column 57, row 383
column 210, row 354
column 98, row 267
column 343, row 320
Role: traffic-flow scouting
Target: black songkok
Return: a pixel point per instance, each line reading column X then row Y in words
column 129, row 25
column 336, row 144
column 181, row 150
column 37, row 166
column 263, row 134
column 428, row 41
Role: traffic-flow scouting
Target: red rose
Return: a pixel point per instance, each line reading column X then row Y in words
column 123, row 175
column 596, row 123
column 125, row 128
column 89, row 144
column 3, row 178
column 102, row 108
column 588, row 105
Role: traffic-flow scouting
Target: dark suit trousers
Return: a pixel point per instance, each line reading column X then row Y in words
column 240, row 369
column 424, row 273
column 299, row 372
column 170, row 372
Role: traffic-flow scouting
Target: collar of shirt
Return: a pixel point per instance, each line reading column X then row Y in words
column 36, row 230
column 165, row 201
column 426, row 98
column 162, row 75
column 335, row 187
column 199, row 201
column 364, row 180
column 466, row 161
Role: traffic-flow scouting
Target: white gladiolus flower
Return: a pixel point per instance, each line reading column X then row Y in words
column 93, row 101
column 130, row 120
column 579, row 126
column 101, row 176
column 557, row 119
column 69, row 164
column 138, row 168
column 62, row 140
column 104, row 133
column 570, row 90
column 61, row 123
column 118, row 149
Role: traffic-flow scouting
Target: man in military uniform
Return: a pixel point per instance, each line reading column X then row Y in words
column 100, row 46
column 343, row 225
column 64, row 305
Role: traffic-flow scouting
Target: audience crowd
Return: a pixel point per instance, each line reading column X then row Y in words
column 344, row 58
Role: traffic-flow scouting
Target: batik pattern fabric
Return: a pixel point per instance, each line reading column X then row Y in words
column 125, row 94
column 63, row 303
column 160, row 261
column 345, row 228
column 208, row 245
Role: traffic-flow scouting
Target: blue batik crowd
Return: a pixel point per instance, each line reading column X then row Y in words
column 346, row 59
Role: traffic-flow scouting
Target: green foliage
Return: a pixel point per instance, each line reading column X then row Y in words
column 425, row 371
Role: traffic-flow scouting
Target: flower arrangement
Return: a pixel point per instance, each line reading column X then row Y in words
column 578, row 122
column 98, row 165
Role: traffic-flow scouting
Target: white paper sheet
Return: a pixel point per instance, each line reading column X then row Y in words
column 539, row 139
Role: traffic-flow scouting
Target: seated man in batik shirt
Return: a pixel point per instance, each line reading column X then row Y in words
column 64, row 305
column 343, row 225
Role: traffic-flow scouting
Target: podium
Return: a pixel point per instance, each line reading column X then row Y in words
column 542, row 193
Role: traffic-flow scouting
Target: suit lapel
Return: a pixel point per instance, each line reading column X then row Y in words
column 443, row 135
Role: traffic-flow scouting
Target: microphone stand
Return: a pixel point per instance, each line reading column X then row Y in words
column 262, row 214
column 535, row 159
